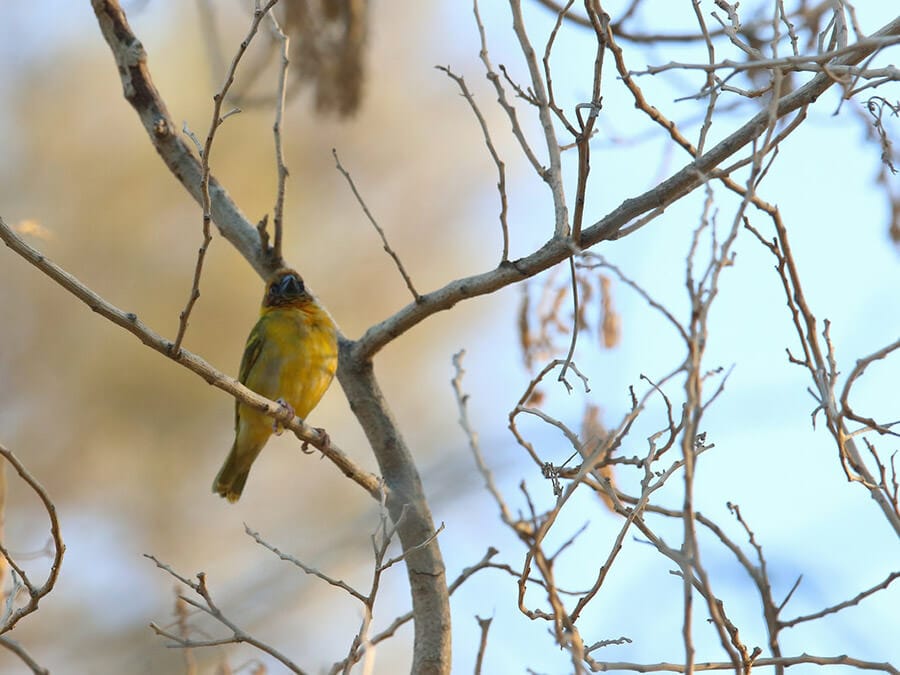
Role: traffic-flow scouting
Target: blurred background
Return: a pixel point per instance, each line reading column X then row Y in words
column 127, row 443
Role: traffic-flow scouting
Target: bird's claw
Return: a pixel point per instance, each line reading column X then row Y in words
column 278, row 427
column 326, row 441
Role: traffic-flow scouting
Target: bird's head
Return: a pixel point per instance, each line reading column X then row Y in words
column 285, row 287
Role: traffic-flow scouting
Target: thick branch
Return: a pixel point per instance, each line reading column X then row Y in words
column 425, row 567
column 556, row 250
column 140, row 92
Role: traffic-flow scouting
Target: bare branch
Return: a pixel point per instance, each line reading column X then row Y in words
column 855, row 600
column 182, row 619
column 35, row 592
column 567, row 362
column 553, row 174
column 508, row 108
column 278, row 212
column 306, row 568
column 501, row 167
column 462, row 400
column 26, row 658
column 819, row 360
column 855, row 374
column 600, row 22
column 209, row 607
column 130, row 322
column 141, row 93
column 783, row 662
column 393, row 561
column 217, row 119
column 384, row 241
column 818, row 63
column 680, row 183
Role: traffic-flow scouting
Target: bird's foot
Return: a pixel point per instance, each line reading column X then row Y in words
column 278, row 427
column 326, row 441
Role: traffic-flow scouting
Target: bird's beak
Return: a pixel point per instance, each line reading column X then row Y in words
column 290, row 286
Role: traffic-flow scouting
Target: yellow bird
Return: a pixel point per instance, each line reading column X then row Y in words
column 291, row 356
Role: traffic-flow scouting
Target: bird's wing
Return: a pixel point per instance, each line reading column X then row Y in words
column 251, row 353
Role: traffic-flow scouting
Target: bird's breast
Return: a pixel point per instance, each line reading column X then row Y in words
column 299, row 358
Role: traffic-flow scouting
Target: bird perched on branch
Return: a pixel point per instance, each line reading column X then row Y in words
column 291, row 356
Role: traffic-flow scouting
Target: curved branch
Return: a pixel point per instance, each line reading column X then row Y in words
column 35, row 593
column 667, row 192
column 140, row 92
column 130, row 322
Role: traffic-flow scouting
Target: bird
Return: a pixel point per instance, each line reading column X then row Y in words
column 291, row 356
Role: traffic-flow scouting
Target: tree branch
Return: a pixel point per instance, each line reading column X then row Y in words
column 667, row 192
column 35, row 593
column 424, row 564
column 208, row 606
column 130, row 322
column 141, row 93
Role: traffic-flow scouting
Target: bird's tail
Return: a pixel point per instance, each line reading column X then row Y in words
column 232, row 476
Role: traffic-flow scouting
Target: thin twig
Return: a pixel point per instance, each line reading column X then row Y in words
column 26, row 658
column 209, row 607
column 553, row 174
column 182, row 614
column 387, row 247
column 306, row 568
column 600, row 22
column 819, row 361
column 548, row 74
column 206, row 203
column 465, row 575
column 855, row 600
column 462, row 401
column 278, row 212
column 363, row 645
column 501, row 167
column 35, row 593
column 567, row 362
column 508, row 108
column 808, row 62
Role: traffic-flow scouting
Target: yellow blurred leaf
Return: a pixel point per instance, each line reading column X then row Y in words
column 33, row 228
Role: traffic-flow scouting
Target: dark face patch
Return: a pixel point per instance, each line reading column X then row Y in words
column 285, row 289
